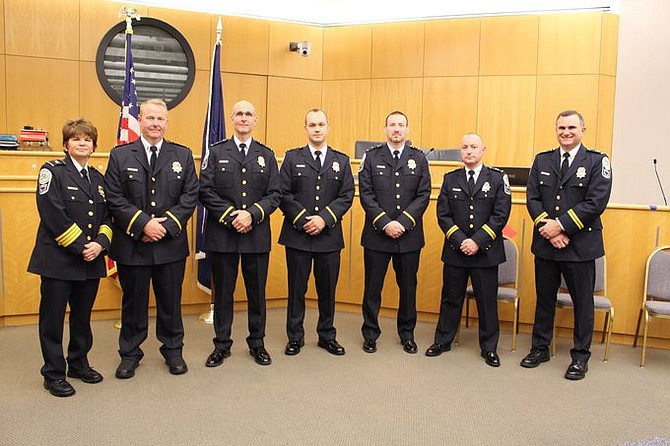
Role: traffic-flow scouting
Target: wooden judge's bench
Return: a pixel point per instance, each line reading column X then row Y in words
column 631, row 233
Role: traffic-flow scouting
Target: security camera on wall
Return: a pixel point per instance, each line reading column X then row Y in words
column 304, row 48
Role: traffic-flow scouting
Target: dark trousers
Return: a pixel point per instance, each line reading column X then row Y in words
column 580, row 280
column 166, row 280
column 224, row 277
column 55, row 296
column 405, row 266
column 326, row 273
column 485, row 287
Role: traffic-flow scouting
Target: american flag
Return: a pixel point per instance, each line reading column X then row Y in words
column 129, row 128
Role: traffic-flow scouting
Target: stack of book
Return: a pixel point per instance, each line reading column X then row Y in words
column 33, row 139
column 8, row 142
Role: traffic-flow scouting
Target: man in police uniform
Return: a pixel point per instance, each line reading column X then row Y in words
column 240, row 188
column 152, row 190
column 394, row 185
column 472, row 209
column 317, row 190
column 74, row 230
column 568, row 189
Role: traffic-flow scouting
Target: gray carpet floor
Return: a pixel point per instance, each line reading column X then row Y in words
column 387, row 398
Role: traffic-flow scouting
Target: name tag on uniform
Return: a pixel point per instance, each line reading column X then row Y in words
column 299, row 165
column 72, row 188
column 545, row 173
column 381, row 167
column 456, row 189
column 224, row 161
column 132, row 169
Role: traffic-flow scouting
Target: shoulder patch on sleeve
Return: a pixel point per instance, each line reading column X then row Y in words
column 44, row 180
column 607, row 168
column 507, row 187
column 360, row 166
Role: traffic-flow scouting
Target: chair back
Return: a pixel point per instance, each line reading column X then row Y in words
column 657, row 275
column 508, row 270
column 600, row 284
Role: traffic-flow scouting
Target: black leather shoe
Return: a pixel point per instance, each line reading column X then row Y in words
column 58, row 387
column 88, row 375
column 261, row 356
column 577, row 370
column 535, row 358
column 127, row 368
column 177, row 365
column 409, row 346
column 216, row 358
column 491, row 359
column 293, row 347
column 331, row 346
column 370, row 346
column 437, row 349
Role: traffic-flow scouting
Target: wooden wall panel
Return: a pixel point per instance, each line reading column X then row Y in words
column 605, row 125
column 97, row 107
column 245, row 45
column 2, row 27
column 285, row 63
column 396, row 94
column 562, row 92
column 187, row 120
column 449, row 110
column 42, row 93
column 347, row 104
column 509, row 45
column 347, row 52
column 506, row 118
column 288, row 101
column 3, row 95
column 397, row 50
column 39, row 28
column 609, row 44
column 96, row 18
column 569, row 43
column 237, row 87
column 452, row 47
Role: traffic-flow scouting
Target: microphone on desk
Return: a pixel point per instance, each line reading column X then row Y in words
column 660, row 185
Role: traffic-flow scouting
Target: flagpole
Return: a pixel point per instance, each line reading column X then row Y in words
column 208, row 316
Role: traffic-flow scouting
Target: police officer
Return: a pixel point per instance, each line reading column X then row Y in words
column 240, row 188
column 152, row 190
column 568, row 189
column 473, row 207
column 74, row 230
column 394, row 185
column 317, row 190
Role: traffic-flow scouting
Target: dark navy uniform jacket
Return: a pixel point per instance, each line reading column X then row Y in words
column 480, row 217
column 135, row 195
column 72, row 214
column 306, row 191
column 230, row 181
column 394, row 192
column 577, row 201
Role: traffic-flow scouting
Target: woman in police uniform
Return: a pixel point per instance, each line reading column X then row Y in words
column 74, row 231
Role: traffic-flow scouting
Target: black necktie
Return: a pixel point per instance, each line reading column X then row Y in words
column 317, row 153
column 471, row 182
column 396, row 156
column 243, row 152
column 84, row 174
column 153, row 158
column 565, row 164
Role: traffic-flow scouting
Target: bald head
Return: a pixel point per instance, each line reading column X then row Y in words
column 244, row 119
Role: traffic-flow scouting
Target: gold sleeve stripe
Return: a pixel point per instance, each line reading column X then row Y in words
column 69, row 236
column 132, row 220
column 174, row 217
column 540, row 217
column 451, row 230
column 297, row 217
column 489, row 231
column 262, row 211
column 106, row 231
column 410, row 217
column 576, row 219
column 378, row 217
column 224, row 214
column 332, row 213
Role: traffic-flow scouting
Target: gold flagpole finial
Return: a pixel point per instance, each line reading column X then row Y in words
column 219, row 31
column 129, row 14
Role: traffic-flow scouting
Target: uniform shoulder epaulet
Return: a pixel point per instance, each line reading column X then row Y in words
column 338, row 152
column 218, row 143
column 93, row 168
column 378, row 146
column 597, row 152
column 122, row 145
column 177, row 144
column 414, row 148
column 295, row 149
column 544, row 152
column 497, row 169
column 263, row 144
column 456, row 171
column 55, row 163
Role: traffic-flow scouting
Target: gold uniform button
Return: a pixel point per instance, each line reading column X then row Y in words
column 153, row 191
column 397, row 195
column 89, row 226
column 153, row 203
column 132, row 234
column 472, row 217
column 244, row 182
column 153, row 215
column 88, row 237
column 397, row 184
column 558, row 197
column 471, row 207
column 72, row 198
column 130, row 176
column 580, row 184
column 244, row 206
column 471, row 226
column 244, row 194
column 153, row 179
column 398, row 207
column 318, row 187
column 318, row 177
column 558, row 208
column 90, row 213
column 90, row 201
column 316, row 208
column 397, row 174
column 244, row 170
column 316, row 198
